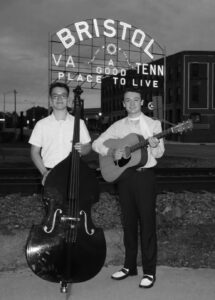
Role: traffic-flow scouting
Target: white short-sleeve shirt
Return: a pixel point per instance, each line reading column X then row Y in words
column 55, row 138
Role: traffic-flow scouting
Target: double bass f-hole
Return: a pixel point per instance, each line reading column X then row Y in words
column 71, row 220
column 82, row 212
column 46, row 227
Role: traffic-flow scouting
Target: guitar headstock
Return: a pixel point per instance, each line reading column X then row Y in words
column 184, row 126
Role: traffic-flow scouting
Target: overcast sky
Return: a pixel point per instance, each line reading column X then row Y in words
column 25, row 24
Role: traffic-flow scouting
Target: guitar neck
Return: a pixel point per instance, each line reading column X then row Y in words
column 146, row 142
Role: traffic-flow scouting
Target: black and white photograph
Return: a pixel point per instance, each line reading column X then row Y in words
column 107, row 150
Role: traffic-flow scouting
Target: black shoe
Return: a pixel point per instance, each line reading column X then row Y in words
column 123, row 273
column 147, row 281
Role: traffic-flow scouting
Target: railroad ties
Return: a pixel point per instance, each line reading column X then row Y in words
column 19, row 180
column 28, row 180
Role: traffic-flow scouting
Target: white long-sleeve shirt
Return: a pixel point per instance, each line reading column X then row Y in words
column 146, row 127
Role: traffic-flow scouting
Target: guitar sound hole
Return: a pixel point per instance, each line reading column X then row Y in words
column 122, row 162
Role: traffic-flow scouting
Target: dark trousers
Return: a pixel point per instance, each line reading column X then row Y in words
column 138, row 200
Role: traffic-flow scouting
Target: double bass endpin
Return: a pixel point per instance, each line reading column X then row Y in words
column 64, row 287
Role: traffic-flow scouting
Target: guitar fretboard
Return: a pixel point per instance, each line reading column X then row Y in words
column 146, row 142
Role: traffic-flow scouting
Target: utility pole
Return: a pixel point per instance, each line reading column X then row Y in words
column 15, row 92
column 15, row 114
column 4, row 103
column 4, row 113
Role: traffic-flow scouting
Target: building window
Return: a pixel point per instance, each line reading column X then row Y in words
column 195, row 93
column 194, row 70
column 198, row 85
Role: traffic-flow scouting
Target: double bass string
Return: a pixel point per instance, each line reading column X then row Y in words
column 74, row 186
column 76, row 195
column 76, row 176
column 71, row 202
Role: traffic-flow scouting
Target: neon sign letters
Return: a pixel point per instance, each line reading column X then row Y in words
column 103, row 59
column 83, row 30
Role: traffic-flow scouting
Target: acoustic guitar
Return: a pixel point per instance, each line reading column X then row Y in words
column 135, row 147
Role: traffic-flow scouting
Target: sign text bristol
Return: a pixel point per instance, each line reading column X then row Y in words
column 110, row 30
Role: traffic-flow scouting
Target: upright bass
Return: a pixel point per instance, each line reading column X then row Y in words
column 67, row 247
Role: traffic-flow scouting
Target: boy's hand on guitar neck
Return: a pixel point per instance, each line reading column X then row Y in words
column 153, row 142
column 117, row 154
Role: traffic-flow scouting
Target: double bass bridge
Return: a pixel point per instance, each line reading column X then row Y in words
column 70, row 220
column 74, row 220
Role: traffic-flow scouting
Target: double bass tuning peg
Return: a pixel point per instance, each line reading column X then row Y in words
column 78, row 90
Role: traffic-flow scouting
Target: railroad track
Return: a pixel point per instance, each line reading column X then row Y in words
column 28, row 180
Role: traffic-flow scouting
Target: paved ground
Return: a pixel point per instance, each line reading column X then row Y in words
column 172, row 284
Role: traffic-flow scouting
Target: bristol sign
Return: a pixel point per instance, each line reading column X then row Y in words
column 86, row 52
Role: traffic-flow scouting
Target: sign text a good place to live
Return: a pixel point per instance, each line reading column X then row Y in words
column 83, row 30
column 88, row 51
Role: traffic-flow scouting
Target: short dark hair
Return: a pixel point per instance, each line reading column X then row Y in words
column 58, row 84
column 133, row 89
